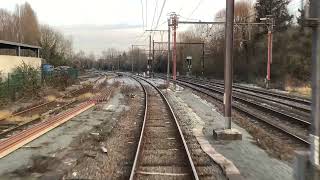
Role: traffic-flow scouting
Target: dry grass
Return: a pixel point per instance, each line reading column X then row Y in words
column 4, row 114
column 297, row 87
column 50, row 98
column 23, row 118
column 302, row 90
column 85, row 96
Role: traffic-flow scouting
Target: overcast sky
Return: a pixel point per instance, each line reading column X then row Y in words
column 99, row 24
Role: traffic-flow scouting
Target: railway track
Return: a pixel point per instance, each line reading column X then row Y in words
column 291, row 102
column 284, row 122
column 8, row 127
column 25, row 136
column 162, row 151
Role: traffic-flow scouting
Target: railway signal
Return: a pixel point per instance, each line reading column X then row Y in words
column 189, row 64
column 168, row 66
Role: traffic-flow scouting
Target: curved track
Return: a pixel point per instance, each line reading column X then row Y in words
column 162, row 152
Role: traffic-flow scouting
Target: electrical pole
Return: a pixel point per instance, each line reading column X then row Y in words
column 131, row 58
column 202, row 59
column 149, row 61
column 270, row 24
column 119, row 63
column 169, row 53
column 228, row 64
column 188, row 43
column 269, row 20
column 138, row 61
column 308, row 163
column 315, row 130
column 132, row 48
column 174, row 20
column 153, row 30
column 152, row 58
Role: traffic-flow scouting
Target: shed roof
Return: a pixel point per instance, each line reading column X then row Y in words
column 9, row 44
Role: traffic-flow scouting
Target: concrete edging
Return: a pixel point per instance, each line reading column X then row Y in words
column 229, row 169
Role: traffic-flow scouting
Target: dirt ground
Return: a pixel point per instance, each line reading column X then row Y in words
column 120, row 144
column 98, row 144
column 46, row 94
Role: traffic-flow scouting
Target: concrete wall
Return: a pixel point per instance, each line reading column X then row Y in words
column 9, row 63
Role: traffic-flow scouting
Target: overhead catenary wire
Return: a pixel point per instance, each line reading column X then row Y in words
column 164, row 3
column 146, row 13
column 142, row 14
column 154, row 14
column 194, row 10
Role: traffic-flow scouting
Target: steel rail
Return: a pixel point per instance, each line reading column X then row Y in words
column 277, row 94
column 43, row 104
column 200, row 89
column 12, row 129
column 28, row 135
column 266, row 93
column 138, row 152
column 296, row 119
column 132, row 175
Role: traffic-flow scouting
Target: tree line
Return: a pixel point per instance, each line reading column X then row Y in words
column 22, row 26
column 291, row 63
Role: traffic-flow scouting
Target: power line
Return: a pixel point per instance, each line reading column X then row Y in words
column 194, row 10
column 142, row 14
column 146, row 13
column 164, row 3
column 154, row 14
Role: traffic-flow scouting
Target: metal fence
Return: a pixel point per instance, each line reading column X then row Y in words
column 14, row 85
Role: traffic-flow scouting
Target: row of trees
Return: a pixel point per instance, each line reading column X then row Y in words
column 22, row 26
column 291, row 46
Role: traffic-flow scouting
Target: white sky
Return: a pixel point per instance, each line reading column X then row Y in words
column 99, row 24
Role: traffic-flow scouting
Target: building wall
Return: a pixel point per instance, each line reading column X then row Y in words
column 9, row 63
